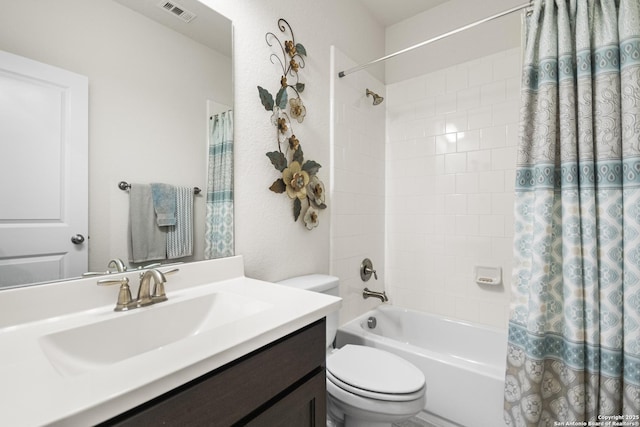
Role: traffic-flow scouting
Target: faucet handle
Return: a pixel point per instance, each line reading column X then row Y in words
column 125, row 301
column 366, row 270
column 95, row 273
column 170, row 271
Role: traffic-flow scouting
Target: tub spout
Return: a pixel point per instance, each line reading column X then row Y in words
column 380, row 295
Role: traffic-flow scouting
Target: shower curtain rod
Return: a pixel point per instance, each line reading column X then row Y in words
column 434, row 39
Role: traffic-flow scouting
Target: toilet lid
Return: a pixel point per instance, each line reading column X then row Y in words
column 374, row 370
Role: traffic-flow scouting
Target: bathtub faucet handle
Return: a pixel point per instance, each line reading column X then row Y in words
column 370, row 270
column 366, row 270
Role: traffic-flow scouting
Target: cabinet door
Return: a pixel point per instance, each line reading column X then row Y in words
column 304, row 406
column 288, row 370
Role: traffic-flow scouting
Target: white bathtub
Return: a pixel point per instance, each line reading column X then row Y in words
column 464, row 363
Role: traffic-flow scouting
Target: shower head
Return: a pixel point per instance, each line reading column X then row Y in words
column 377, row 99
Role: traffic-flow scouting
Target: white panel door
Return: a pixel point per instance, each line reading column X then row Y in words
column 43, row 172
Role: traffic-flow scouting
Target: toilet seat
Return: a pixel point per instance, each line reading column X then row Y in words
column 376, row 374
column 372, row 394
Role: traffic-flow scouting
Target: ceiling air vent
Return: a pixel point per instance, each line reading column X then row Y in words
column 177, row 10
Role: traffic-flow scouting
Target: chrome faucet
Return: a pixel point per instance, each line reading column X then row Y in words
column 380, row 295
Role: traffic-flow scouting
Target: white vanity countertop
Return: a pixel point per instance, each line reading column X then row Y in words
column 34, row 391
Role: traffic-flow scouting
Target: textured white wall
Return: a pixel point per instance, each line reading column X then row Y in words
column 273, row 246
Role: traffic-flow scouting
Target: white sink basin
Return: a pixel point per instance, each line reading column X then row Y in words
column 127, row 334
column 66, row 352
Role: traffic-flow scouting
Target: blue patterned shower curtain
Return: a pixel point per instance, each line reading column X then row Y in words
column 574, row 328
column 219, row 217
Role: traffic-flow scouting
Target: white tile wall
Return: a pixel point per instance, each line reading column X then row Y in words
column 357, row 196
column 450, row 161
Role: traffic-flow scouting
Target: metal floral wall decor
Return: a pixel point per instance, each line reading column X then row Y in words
column 299, row 176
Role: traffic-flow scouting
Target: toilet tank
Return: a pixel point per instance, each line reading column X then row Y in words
column 324, row 284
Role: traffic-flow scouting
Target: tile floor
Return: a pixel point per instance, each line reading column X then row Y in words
column 414, row 422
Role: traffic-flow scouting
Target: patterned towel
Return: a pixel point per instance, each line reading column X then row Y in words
column 180, row 236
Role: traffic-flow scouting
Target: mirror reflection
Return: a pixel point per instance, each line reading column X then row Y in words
column 155, row 85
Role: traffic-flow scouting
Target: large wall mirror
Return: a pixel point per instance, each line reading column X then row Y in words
column 154, row 82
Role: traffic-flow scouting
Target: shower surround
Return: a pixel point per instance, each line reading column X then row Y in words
column 423, row 185
column 358, row 175
column 451, row 147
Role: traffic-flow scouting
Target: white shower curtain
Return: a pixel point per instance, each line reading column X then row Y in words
column 219, row 217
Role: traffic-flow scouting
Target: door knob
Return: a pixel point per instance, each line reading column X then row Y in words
column 77, row 239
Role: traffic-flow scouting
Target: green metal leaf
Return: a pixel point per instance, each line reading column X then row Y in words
column 278, row 186
column 300, row 87
column 311, row 167
column 301, row 50
column 282, row 98
column 298, row 155
column 278, row 160
column 266, row 98
column 297, row 207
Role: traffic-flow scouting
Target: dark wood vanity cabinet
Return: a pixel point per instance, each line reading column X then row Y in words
column 280, row 384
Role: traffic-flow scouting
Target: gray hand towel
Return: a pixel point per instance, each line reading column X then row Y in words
column 147, row 240
column 164, row 203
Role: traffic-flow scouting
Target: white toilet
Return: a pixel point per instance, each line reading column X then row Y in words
column 366, row 387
